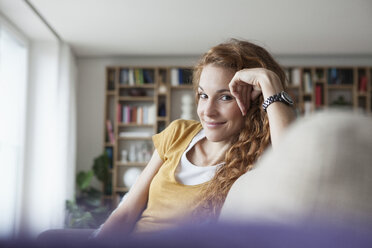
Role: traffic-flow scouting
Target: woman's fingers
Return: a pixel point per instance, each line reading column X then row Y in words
column 242, row 93
column 241, row 88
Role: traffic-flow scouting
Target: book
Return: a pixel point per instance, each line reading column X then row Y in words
column 186, row 76
column 307, row 83
column 152, row 114
column 110, row 132
column 318, row 95
column 119, row 113
column 363, row 84
column 124, row 77
column 295, row 77
column 148, row 76
column 111, row 80
column 180, row 76
column 131, row 77
column 174, row 77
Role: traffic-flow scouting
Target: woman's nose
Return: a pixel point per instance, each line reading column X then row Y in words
column 210, row 108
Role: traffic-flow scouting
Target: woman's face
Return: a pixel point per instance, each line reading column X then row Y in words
column 217, row 109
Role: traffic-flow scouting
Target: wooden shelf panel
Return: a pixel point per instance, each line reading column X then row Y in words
column 121, row 189
column 111, row 93
column 180, row 87
column 161, row 118
column 340, row 86
column 293, row 87
column 362, row 94
column 131, row 164
column 134, row 125
column 136, row 98
column 146, row 86
column 134, row 138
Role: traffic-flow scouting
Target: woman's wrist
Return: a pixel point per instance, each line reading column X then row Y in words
column 270, row 84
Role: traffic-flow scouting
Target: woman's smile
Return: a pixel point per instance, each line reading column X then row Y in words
column 214, row 124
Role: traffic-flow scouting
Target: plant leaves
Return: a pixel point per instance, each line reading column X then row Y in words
column 83, row 179
column 100, row 167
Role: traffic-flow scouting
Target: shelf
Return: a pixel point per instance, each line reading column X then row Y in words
column 131, row 164
column 362, row 94
column 137, row 98
column 134, row 125
column 147, row 86
column 180, row 87
column 320, row 81
column 134, row 138
column 111, row 93
column 121, row 189
column 161, row 118
column 293, row 87
column 340, row 86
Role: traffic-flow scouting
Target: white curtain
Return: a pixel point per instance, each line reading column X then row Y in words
column 37, row 171
column 50, row 156
column 13, row 88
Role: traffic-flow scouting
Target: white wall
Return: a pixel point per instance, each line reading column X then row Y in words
column 90, row 95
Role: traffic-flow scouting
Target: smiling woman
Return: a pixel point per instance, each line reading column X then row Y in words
column 195, row 163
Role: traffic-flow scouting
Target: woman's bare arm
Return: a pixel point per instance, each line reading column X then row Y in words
column 123, row 219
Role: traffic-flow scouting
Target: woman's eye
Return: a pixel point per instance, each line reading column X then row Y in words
column 202, row 96
column 226, row 98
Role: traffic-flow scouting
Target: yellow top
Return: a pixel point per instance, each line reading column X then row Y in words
column 170, row 202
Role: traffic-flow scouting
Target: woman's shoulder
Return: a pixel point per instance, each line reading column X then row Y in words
column 180, row 127
column 185, row 124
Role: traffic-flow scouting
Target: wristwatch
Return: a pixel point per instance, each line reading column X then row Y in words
column 280, row 97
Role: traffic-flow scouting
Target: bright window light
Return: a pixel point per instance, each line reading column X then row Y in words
column 13, row 82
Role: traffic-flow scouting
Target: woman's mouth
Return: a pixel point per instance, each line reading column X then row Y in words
column 214, row 124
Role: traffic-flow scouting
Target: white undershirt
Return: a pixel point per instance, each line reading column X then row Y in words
column 190, row 174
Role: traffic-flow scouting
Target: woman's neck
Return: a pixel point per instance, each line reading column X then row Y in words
column 207, row 153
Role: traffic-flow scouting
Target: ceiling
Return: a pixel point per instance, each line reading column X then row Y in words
column 190, row 27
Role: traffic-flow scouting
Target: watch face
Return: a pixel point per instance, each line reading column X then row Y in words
column 286, row 97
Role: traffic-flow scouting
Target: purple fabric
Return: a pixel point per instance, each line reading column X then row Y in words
column 225, row 235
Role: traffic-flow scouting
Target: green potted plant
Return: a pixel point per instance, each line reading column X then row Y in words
column 87, row 210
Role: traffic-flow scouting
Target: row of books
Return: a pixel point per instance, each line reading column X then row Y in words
column 136, row 114
column 335, row 76
column 181, row 76
column 136, row 76
column 340, row 76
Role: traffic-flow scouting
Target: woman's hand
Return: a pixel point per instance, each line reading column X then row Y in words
column 248, row 84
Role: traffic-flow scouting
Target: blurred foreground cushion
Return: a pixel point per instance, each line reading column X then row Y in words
column 322, row 170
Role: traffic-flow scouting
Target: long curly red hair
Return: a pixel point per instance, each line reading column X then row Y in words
column 254, row 137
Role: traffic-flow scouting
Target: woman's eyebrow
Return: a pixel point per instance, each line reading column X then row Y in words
column 218, row 91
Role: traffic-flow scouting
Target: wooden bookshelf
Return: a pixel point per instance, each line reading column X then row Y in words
column 135, row 87
column 323, row 87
